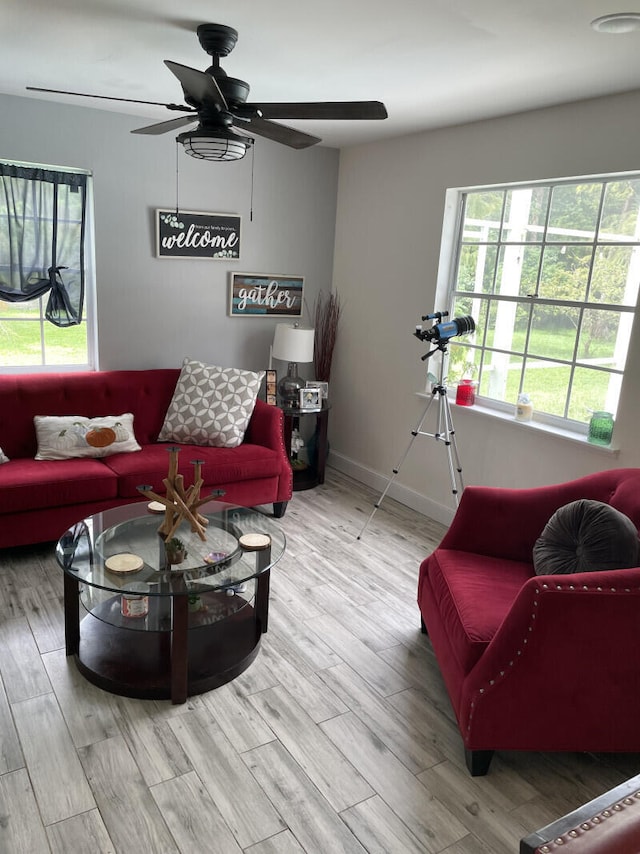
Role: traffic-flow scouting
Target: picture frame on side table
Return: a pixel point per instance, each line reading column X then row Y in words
column 310, row 399
column 324, row 388
column 271, row 387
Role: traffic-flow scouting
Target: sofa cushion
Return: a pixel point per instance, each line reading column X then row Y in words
column 34, row 484
column 220, row 466
column 460, row 580
column 585, row 536
column 211, row 405
column 65, row 437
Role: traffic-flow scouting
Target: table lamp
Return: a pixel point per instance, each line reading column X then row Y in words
column 292, row 343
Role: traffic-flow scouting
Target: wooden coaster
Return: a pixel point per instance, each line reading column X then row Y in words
column 156, row 507
column 123, row 563
column 254, row 542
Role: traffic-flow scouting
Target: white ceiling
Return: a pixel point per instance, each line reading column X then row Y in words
column 432, row 62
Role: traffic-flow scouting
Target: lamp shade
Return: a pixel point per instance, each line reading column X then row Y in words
column 292, row 343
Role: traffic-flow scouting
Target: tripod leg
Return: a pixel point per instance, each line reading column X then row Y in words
column 453, row 451
column 415, row 432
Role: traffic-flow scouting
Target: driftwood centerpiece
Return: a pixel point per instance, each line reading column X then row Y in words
column 181, row 505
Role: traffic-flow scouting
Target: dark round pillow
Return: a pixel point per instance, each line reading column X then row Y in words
column 585, row 536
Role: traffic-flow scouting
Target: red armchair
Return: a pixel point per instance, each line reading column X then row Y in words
column 534, row 662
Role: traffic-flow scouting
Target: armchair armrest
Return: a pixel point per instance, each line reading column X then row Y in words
column 558, row 671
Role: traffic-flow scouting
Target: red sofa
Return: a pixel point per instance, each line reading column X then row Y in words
column 534, row 662
column 40, row 499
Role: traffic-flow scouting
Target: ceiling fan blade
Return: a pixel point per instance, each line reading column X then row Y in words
column 198, row 86
column 321, row 110
column 278, row 133
column 110, row 98
column 165, row 127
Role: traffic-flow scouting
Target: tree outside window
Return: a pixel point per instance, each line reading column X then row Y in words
column 550, row 274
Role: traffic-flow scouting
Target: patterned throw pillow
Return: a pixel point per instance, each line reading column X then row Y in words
column 211, row 405
column 64, row 437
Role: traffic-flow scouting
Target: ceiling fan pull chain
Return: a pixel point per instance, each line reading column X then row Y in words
column 177, row 175
column 253, row 158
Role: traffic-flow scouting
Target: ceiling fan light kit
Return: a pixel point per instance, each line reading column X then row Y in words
column 218, row 105
column 214, row 144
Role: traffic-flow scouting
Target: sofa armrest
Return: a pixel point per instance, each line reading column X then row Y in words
column 501, row 522
column 560, row 667
column 266, row 426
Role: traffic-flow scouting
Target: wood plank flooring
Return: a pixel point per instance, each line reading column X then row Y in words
column 338, row 738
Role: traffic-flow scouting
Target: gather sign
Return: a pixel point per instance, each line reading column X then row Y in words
column 192, row 234
column 265, row 295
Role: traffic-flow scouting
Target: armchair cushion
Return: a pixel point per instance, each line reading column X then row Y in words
column 460, row 581
column 584, row 536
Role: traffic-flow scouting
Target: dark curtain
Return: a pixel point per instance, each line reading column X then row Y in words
column 42, row 227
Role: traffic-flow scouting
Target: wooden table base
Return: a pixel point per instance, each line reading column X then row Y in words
column 161, row 664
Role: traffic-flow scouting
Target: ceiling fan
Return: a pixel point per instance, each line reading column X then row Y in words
column 225, row 120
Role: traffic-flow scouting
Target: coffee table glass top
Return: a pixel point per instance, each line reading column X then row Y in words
column 221, row 561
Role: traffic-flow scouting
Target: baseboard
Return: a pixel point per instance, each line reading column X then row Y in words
column 409, row 497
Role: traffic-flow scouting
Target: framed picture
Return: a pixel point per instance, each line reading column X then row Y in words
column 271, row 387
column 324, row 388
column 265, row 295
column 310, row 399
column 191, row 234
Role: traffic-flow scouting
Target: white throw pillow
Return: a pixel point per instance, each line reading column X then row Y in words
column 3, row 457
column 64, row 437
column 211, row 405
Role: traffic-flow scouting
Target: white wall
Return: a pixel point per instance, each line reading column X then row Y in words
column 390, row 208
column 151, row 312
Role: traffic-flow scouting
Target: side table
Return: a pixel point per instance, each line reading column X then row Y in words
column 313, row 475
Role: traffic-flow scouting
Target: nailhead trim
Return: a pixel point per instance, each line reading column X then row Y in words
column 537, row 593
column 591, row 824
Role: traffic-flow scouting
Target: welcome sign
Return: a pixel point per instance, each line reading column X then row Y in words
column 191, row 234
column 263, row 295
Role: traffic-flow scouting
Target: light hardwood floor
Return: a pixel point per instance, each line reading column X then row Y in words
column 338, row 738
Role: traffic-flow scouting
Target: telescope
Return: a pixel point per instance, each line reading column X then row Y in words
column 449, row 329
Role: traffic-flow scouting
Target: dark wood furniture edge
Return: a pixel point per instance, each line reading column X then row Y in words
column 592, row 817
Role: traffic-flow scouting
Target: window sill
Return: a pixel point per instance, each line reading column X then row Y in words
column 536, row 426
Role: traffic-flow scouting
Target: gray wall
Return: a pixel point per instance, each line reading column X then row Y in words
column 390, row 204
column 151, row 312
column 391, row 201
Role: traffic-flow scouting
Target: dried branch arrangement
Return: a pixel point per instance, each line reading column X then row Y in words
column 327, row 318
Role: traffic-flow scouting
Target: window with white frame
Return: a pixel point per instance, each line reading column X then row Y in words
column 46, row 268
column 550, row 274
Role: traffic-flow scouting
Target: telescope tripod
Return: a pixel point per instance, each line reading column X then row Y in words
column 444, row 433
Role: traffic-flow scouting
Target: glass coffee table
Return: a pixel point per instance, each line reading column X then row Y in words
column 141, row 628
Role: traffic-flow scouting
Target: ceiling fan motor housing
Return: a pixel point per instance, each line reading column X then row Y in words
column 235, row 91
column 216, row 39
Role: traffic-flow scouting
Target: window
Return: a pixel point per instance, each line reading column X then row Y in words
column 550, row 274
column 46, row 281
